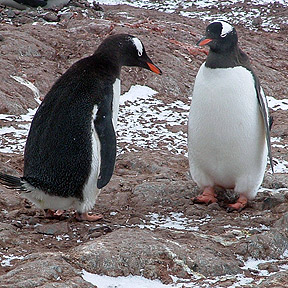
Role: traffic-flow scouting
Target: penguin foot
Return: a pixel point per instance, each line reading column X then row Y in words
column 239, row 205
column 86, row 217
column 52, row 214
column 207, row 197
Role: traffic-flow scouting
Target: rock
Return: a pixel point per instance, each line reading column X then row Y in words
column 273, row 201
column 141, row 252
column 53, row 229
column 66, row 16
column 279, row 280
column 42, row 270
column 50, row 17
column 269, row 244
column 282, row 224
column 7, row 235
column 11, row 14
column 270, row 267
column 155, row 194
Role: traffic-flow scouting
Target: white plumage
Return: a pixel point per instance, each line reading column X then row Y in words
column 226, row 133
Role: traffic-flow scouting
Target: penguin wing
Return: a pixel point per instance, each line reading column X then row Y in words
column 265, row 114
column 106, row 134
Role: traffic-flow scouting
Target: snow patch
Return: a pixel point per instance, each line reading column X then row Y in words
column 174, row 220
column 277, row 104
column 103, row 281
column 192, row 9
column 30, row 85
column 6, row 262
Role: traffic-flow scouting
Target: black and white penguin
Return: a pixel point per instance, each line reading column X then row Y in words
column 24, row 4
column 228, row 126
column 71, row 147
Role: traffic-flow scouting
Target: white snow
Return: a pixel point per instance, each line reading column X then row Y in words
column 280, row 165
column 137, row 92
column 174, row 221
column 277, row 104
column 144, row 121
column 103, row 281
column 6, row 259
column 235, row 16
column 28, row 84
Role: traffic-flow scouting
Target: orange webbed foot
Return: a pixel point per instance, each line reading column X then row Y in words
column 86, row 217
column 207, row 197
column 239, row 205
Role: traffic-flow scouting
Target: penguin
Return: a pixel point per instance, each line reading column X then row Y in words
column 71, row 145
column 24, row 4
column 229, row 124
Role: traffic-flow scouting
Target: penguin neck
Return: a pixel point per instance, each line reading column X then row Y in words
column 110, row 64
column 227, row 59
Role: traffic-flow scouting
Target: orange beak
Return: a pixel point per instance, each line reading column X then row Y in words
column 154, row 68
column 204, row 41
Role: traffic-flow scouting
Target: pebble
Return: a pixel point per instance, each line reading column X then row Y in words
column 53, row 229
column 11, row 14
column 51, row 17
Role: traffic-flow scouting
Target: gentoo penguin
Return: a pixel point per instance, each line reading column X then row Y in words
column 228, row 126
column 71, row 146
column 23, row 4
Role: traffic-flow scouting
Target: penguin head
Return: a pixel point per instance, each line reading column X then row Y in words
column 128, row 50
column 220, row 37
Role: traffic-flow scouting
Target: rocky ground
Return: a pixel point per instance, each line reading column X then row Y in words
column 150, row 226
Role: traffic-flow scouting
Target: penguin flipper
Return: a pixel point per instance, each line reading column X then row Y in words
column 106, row 134
column 265, row 114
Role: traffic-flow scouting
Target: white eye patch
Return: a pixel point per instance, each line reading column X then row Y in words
column 226, row 28
column 138, row 45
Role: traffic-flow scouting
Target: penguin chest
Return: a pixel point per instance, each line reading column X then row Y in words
column 226, row 134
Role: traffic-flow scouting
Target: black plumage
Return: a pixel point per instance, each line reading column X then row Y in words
column 58, row 151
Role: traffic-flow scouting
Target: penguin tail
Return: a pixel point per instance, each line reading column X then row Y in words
column 11, row 182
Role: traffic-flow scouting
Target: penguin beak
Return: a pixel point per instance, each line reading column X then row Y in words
column 203, row 41
column 154, row 68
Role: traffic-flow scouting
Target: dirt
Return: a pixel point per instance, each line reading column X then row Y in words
column 149, row 186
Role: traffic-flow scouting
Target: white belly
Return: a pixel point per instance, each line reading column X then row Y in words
column 226, row 136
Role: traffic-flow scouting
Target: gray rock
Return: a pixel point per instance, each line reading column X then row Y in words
column 269, row 244
column 43, row 270
column 279, row 280
column 7, row 235
column 163, row 193
column 51, row 17
column 143, row 252
column 53, row 229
